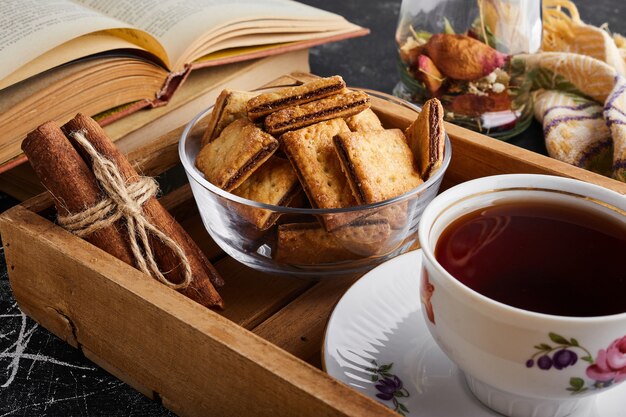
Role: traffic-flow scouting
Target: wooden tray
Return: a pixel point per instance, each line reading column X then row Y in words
column 261, row 356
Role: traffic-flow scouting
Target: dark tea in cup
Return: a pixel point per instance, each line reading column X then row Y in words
column 541, row 256
column 523, row 268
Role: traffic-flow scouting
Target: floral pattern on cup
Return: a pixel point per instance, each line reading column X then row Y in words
column 610, row 363
column 609, row 366
column 426, row 292
column 389, row 386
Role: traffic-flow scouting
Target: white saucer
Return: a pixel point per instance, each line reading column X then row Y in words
column 379, row 319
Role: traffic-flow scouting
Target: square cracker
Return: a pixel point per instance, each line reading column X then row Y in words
column 310, row 244
column 235, row 154
column 229, row 106
column 366, row 237
column 379, row 165
column 312, row 154
column 275, row 182
column 396, row 214
column 364, row 122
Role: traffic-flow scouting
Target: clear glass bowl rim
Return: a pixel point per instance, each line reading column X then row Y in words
column 192, row 171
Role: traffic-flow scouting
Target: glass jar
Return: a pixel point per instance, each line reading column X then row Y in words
column 463, row 52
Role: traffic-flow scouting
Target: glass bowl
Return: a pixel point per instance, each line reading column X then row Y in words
column 297, row 244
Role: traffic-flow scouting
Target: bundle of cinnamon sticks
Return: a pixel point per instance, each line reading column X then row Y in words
column 66, row 170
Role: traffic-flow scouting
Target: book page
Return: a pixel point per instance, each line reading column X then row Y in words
column 30, row 28
column 82, row 46
column 181, row 24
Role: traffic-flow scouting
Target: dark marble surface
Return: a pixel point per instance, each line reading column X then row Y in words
column 42, row 376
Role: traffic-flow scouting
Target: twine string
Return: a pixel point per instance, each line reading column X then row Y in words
column 124, row 201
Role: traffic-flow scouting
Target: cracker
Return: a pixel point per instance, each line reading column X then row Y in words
column 275, row 182
column 312, row 155
column 335, row 106
column 396, row 214
column 364, row 122
column 235, row 154
column 267, row 103
column 379, row 165
column 229, row 106
column 426, row 138
column 309, row 243
column 366, row 237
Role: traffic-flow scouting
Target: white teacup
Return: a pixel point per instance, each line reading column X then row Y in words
column 498, row 346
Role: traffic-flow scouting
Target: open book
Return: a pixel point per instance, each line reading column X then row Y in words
column 63, row 56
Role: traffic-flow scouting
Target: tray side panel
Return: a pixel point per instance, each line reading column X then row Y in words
column 198, row 362
column 475, row 155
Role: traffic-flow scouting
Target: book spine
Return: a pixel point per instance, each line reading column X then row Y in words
column 172, row 83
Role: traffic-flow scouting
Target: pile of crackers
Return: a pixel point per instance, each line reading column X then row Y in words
column 320, row 145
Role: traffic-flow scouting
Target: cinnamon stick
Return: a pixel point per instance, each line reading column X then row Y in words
column 72, row 184
column 204, row 274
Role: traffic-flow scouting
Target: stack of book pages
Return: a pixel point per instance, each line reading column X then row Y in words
column 111, row 58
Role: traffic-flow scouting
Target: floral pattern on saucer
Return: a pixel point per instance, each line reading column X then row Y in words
column 389, row 386
column 608, row 368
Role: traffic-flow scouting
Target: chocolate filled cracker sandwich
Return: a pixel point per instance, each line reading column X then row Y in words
column 309, row 243
column 378, row 165
column 275, row 182
column 335, row 106
column 364, row 121
column 235, row 154
column 310, row 150
column 426, row 138
column 267, row 103
column 229, row 106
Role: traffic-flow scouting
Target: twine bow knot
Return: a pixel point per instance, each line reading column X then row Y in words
column 124, row 200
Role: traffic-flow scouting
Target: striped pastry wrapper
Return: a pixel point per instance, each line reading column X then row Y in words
column 586, row 76
column 576, row 37
column 580, row 91
column 581, row 102
column 620, row 42
column 615, row 117
column 574, row 130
